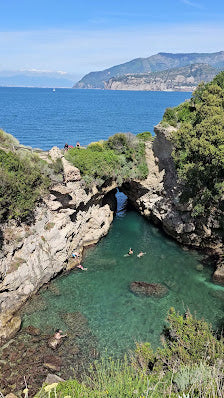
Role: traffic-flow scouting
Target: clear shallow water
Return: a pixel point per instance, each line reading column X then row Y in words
column 115, row 315
column 43, row 118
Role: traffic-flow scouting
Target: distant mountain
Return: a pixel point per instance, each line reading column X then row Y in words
column 36, row 78
column 176, row 79
column 155, row 63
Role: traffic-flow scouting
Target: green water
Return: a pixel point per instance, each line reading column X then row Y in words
column 115, row 315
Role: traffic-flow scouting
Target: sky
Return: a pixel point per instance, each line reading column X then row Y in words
column 79, row 36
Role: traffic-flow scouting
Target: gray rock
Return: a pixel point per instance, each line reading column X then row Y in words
column 51, row 378
column 148, row 289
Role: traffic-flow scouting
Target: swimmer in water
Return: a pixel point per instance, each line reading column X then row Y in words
column 81, row 267
column 130, row 252
column 140, row 254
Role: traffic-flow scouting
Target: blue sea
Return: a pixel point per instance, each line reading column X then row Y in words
column 40, row 117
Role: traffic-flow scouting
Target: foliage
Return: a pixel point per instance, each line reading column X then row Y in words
column 7, row 140
column 22, row 182
column 190, row 364
column 199, row 145
column 145, row 136
column 120, row 158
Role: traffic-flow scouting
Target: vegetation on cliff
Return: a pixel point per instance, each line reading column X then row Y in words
column 189, row 364
column 120, row 158
column 154, row 63
column 24, row 178
column 199, row 145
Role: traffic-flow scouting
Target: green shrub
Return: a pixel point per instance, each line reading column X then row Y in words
column 199, row 146
column 145, row 136
column 7, row 140
column 120, row 158
column 22, row 183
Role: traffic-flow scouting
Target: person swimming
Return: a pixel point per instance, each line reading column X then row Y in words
column 140, row 254
column 130, row 252
column 55, row 340
column 81, row 267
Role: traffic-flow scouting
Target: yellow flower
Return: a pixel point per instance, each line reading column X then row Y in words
column 50, row 387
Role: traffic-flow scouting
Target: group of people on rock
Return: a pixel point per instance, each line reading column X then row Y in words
column 66, row 146
column 76, row 255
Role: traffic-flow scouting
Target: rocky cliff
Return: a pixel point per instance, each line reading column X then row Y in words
column 70, row 218
column 154, row 63
column 158, row 199
column 177, row 79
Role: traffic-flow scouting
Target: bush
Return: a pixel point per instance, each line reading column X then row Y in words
column 7, row 140
column 120, row 158
column 146, row 136
column 199, row 146
column 22, row 183
column 190, row 364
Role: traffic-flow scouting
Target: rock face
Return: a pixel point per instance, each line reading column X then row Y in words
column 177, row 79
column 69, row 218
column 148, row 289
column 158, row 199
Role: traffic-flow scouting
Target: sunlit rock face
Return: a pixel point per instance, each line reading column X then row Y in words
column 158, row 199
column 68, row 219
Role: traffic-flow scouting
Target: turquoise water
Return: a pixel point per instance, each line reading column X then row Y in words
column 42, row 118
column 115, row 315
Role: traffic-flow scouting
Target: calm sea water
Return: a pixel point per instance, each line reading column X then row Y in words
column 115, row 315
column 43, row 118
column 116, row 318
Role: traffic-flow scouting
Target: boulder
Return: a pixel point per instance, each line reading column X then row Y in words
column 32, row 330
column 10, row 395
column 9, row 325
column 51, row 378
column 218, row 276
column 71, row 173
column 55, row 153
column 148, row 289
column 52, row 362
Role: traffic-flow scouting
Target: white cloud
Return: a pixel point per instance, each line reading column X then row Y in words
column 192, row 4
column 82, row 51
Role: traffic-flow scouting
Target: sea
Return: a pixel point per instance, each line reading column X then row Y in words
column 96, row 307
column 43, row 118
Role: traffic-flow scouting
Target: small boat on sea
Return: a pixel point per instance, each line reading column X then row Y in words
column 53, row 90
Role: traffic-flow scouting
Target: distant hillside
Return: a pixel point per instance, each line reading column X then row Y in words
column 176, row 79
column 154, row 63
column 36, row 78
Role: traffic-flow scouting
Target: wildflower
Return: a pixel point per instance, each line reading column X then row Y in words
column 25, row 391
column 50, row 387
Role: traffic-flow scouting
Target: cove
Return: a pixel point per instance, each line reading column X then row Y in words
column 116, row 317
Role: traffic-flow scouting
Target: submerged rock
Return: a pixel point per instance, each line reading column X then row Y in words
column 54, row 343
column 52, row 362
column 76, row 322
column 148, row 289
column 32, row 330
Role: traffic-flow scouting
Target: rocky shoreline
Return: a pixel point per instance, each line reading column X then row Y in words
column 72, row 217
column 69, row 218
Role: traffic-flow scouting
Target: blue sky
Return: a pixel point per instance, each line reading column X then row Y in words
column 80, row 36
